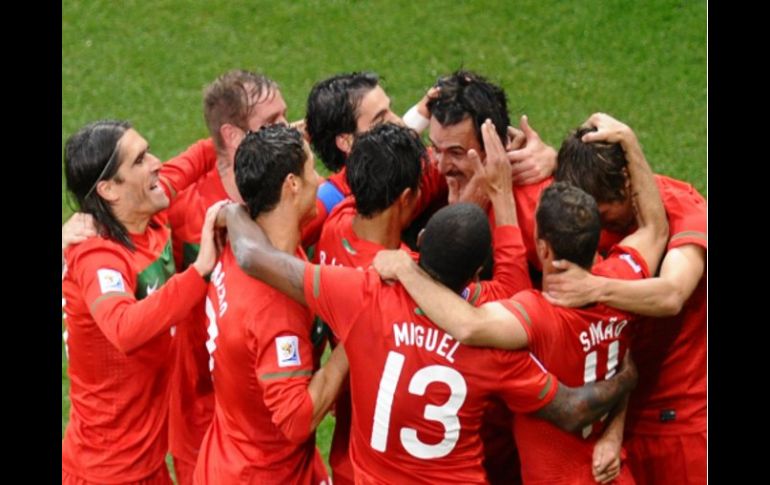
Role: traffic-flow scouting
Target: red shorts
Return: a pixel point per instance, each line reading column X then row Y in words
column 159, row 477
column 679, row 459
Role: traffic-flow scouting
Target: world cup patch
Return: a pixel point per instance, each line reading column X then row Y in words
column 287, row 348
column 110, row 280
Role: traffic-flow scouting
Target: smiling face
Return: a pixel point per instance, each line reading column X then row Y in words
column 451, row 144
column 135, row 189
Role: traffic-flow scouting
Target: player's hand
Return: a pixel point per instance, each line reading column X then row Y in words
column 572, row 286
column 608, row 130
column 495, row 174
column 606, row 459
column 532, row 160
column 422, row 105
column 207, row 255
column 390, row 263
column 78, row 228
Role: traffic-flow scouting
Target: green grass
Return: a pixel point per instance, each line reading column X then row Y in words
column 643, row 62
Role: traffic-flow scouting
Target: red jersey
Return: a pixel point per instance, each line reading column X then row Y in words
column 118, row 343
column 418, row 395
column 262, row 362
column 118, row 347
column 670, row 353
column 191, row 405
column 579, row 345
column 340, row 246
column 433, row 189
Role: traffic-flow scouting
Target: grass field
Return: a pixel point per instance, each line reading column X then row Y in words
column 643, row 62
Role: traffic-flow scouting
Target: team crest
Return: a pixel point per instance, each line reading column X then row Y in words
column 110, row 280
column 288, row 350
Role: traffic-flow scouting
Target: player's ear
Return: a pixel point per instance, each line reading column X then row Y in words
column 344, row 142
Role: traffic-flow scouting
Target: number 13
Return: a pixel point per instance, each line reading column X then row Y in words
column 445, row 414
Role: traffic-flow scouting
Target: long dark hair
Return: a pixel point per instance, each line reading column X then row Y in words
column 90, row 156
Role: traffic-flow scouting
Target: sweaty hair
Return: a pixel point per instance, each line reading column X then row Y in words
column 455, row 244
column 332, row 109
column 263, row 160
column 465, row 94
column 383, row 162
column 90, row 156
column 231, row 98
column 568, row 219
column 598, row 168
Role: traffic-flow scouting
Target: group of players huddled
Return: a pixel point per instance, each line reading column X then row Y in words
column 498, row 312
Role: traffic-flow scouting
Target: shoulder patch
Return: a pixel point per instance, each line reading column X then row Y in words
column 287, row 348
column 630, row 260
column 110, row 280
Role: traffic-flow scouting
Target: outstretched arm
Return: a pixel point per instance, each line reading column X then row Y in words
column 258, row 258
column 664, row 295
column 575, row 407
column 488, row 325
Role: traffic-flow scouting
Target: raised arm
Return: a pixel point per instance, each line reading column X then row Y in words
column 258, row 258
column 651, row 236
column 489, row 325
column 511, row 274
column 129, row 323
column 575, row 407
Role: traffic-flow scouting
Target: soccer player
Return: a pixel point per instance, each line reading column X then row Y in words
column 464, row 102
column 666, row 423
column 236, row 102
column 383, row 170
column 578, row 345
column 121, row 299
column 416, row 421
column 338, row 108
column 268, row 401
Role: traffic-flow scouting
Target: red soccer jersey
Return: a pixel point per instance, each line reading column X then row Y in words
column 670, row 353
column 579, row 346
column 119, row 349
column 191, row 404
column 340, row 246
column 262, row 361
column 418, row 395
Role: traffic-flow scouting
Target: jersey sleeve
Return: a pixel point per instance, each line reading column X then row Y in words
column 526, row 386
column 337, row 295
column 186, row 168
column 539, row 322
column 108, row 284
column 284, row 367
column 622, row 262
column 686, row 210
column 511, row 274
